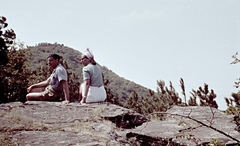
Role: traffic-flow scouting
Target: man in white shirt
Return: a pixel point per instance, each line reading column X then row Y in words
column 52, row 88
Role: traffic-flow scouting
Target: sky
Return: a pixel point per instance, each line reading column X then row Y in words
column 142, row 41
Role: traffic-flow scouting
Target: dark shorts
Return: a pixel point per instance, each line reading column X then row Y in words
column 50, row 94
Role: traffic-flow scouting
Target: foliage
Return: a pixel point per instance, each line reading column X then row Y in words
column 40, row 71
column 216, row 142
column 16, row 74
column 118, row 89
column 146, row 105
column 13, row 72
column 169, row 95
column 7, row 36
column 206, row 97
column 6, row 140
column 235, row 61
column 152, row 105
column 73, row 86
column 164, row 99
column 233, row 103
column 186, row 132
column 33, row 67
column 183, row 90
column 110, row 95
column 234, row 108
column 193, row 100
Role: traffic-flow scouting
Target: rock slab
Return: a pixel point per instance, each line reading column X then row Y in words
column 38, row 123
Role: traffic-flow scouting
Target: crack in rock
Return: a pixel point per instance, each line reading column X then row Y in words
column 128, row 121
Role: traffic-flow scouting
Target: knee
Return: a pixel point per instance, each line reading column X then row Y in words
column 27, row 97
column 81, row 88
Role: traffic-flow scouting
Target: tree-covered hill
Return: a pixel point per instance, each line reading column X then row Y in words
column 119, row 86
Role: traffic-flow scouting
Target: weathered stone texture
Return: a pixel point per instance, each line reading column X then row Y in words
column 51, row 123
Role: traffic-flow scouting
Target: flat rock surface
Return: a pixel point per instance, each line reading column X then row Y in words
column 52, row 123
column 181, row 123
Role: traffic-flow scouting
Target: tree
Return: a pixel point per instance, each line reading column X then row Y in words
column 193, row 99
column 235, row 61
column 164, row 99
column 73, row 83
column 110, row 95
column 16, row 75
column 183, row 90
column 233, row 102
column 206, row 98
column 168, row 95
column 6, row 40
column 42, row 72
column 7, row 37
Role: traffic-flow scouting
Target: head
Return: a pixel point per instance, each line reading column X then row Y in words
column 85, row 60
column 53, row 60
column 87, row 57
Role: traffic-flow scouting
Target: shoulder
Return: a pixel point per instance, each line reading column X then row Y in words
column 89, row 66
column 60, row 68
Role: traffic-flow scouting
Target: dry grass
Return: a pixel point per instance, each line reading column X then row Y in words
column 6, row 140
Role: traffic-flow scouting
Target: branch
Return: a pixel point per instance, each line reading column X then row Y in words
column 209, row 126
column 212, row 118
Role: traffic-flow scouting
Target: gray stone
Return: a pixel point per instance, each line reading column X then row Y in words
column 191, row 126
column 52, row 123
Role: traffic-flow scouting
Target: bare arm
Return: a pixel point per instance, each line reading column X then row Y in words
column 65, row 90
column 37, row 85
column 86, row 85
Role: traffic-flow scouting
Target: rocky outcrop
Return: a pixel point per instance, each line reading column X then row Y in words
column 51, row 123
column 191, row 126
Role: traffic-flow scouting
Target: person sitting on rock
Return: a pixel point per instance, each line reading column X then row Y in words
column 92, row 88
column 52, row 88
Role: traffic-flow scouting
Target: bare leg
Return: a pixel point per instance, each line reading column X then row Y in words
column 81, row 88
column 80, row 92
column 35, row 94
column 37, row 90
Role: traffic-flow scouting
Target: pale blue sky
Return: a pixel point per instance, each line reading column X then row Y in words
column 142, row 41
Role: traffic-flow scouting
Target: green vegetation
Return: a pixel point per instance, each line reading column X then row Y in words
column 116, row 86
column 25, row 66
column 13, row 73
column 22, row 66
column 233, row 103
column 120, row 91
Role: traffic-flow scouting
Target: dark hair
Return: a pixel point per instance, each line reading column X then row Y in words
column 93, row 61
column 54, row 56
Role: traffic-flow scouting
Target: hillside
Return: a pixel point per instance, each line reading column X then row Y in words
column 119, row 86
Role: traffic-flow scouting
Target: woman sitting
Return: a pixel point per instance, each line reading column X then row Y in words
column 92, row 88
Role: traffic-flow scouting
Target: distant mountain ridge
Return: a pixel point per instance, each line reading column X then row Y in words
column 121, row 87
